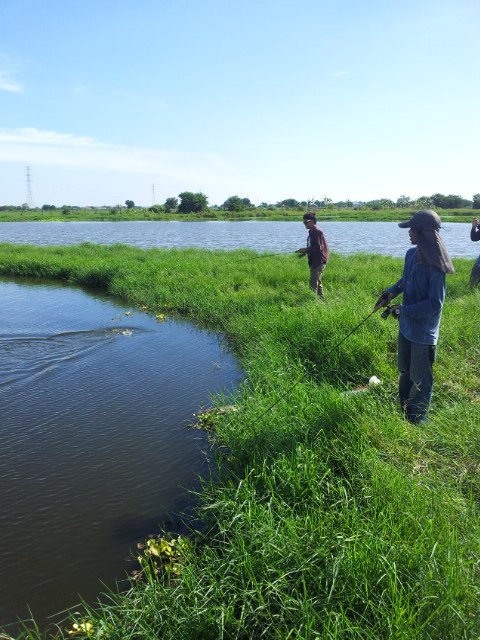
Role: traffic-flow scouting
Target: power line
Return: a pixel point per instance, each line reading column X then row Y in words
column 28, row 180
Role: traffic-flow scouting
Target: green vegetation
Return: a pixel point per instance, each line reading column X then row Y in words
column 169, row 211
column 194, row 206
column 328, row 515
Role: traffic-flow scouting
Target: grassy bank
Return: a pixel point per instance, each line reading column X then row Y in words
column 138, row 214
column 330, row 517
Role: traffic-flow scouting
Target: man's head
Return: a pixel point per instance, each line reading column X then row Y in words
column 424, row 227
column 309, row 219
column 424, row 220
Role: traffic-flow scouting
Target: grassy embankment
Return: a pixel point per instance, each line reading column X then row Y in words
column 331, row 517
column 138, row 213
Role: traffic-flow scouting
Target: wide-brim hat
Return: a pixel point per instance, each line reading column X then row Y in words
column 424, row 219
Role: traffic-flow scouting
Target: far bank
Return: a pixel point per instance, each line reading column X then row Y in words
column 140, row 213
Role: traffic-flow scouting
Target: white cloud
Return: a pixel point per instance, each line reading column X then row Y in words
column 32, row 136
column 42, row 147
column 7, row 84
column 339, row 74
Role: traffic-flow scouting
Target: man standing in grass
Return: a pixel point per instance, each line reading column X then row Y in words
column 423, row 288
column 475, row 235
column 317, row 252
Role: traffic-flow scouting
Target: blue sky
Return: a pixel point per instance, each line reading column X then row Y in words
column 265, row 99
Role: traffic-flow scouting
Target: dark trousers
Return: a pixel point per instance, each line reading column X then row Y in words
column 475, row 274
column 415, row 365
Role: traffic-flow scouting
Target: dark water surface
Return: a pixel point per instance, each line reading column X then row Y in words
column 94, row 448
column 385, row 238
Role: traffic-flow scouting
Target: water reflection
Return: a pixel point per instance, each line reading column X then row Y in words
column 94, row 452
column 344, row 237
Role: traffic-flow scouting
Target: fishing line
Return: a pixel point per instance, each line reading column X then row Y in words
column 290, row 389
column 267, row 255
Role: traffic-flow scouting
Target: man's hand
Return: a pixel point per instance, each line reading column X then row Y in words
column 395, row 311
column 303, row 251
column 383, row 300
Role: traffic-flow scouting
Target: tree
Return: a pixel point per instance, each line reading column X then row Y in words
column 170, row 204
column 157, row 208
column 476, row 201
column 192, row 202
column 404, row 202
column 130, row 204
column 449, row 202
column 343, row 204
column 424, row 202
column 233, row 203
column 48, row 207
column 289, row 203
column 383, row 203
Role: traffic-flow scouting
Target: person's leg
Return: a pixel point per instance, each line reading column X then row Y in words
column 320, row 291
column 404, row 381
column 421, row 374
column 475, row 274
column 316, row 280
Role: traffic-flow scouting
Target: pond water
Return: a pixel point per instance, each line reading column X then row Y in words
column 344, row 237
column 95, row 452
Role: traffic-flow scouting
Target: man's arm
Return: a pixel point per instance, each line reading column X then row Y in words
column 475, row 230
column 431, row 305
column 389, row 294
column 318, row 249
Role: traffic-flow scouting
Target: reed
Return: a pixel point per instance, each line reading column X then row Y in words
column 327, row 515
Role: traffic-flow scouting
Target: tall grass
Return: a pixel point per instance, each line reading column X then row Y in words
column 140, row 213
column 328, row 516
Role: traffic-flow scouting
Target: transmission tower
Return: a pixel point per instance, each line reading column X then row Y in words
column 153, row 194
column 28, row 180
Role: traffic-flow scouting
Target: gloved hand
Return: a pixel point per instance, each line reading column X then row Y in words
column 395, row 311
column 383, row 300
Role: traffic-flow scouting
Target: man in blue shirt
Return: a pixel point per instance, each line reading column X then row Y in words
column 475, row 236
column 423, row 288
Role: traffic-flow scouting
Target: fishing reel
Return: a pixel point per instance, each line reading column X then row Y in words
column 391, row 310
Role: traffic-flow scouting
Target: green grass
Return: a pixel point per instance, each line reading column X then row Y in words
column 328, row 516
column 137, row 214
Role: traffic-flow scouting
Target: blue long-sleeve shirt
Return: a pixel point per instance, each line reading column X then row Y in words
column 423, row 288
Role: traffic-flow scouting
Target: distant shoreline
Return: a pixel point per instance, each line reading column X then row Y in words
column 262, row 215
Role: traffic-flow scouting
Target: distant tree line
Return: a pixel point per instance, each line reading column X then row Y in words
column 197, row 202
column 190, row 202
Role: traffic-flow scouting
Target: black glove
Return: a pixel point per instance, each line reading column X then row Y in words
column 383, row 299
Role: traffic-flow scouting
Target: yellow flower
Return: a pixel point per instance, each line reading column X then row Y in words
column 82, row 627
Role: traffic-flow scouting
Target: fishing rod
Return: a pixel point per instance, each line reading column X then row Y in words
column 267, row 255
column 311, row 206
column 290, row 389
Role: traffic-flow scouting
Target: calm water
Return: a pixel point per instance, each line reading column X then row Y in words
column 94, row 448
column 344, row 237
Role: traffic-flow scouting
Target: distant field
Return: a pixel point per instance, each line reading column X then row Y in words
column 122, row 215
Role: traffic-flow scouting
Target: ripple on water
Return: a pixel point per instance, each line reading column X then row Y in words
column 94, row 453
